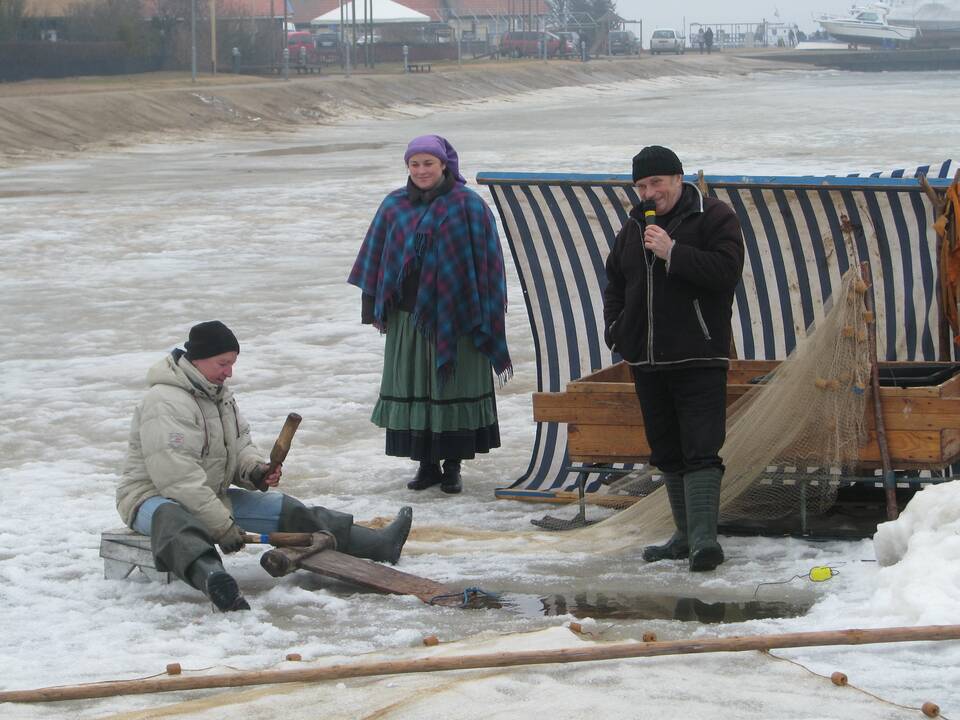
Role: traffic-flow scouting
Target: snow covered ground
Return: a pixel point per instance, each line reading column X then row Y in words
column 105, row 262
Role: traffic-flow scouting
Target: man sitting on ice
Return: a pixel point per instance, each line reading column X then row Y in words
column 188, row 445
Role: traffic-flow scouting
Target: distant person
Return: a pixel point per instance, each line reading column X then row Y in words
column 708, row 39
column 701, row 39
column 791, row 38
column 667, row 309
column 235, row 57
column 188, row 446
column 432, row 275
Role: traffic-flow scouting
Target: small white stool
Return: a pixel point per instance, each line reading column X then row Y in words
column 124, row 551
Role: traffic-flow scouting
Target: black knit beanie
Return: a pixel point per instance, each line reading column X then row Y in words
column 656, row 160
column 210, row 338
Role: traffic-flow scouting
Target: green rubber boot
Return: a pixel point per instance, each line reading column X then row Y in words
column 676, row 547
column 702, row 488
column 385, row 544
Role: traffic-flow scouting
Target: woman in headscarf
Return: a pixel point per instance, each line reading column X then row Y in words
column 432, row 276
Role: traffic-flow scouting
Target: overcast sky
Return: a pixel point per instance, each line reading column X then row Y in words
column 671, row 14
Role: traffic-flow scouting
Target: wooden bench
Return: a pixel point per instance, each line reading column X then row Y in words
column 125, row 551
column 418, row 67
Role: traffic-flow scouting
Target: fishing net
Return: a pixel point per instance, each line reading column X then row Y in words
column 789, row 438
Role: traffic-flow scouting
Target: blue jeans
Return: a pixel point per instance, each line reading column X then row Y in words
column 255, row 512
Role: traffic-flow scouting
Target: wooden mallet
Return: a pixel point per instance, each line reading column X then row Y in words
column 281, row 447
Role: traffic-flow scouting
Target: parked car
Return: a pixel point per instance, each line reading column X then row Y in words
column 666, row 40
column 328, row 45
column 624, row 42
column 527, row 43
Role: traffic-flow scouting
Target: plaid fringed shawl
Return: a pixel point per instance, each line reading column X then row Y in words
column 463, row 289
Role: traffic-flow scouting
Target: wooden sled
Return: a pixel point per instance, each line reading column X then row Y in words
column 315, row 553
column 922, row 418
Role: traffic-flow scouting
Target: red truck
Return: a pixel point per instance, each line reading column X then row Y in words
column 303, row 49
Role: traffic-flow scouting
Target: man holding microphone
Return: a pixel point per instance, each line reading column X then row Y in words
column 671, row 277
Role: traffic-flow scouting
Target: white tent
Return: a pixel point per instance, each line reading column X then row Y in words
column 384, row 11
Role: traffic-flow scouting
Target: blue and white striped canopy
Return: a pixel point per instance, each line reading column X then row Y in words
column 801, row 233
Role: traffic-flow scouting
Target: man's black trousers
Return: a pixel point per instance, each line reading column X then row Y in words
column 685, row 414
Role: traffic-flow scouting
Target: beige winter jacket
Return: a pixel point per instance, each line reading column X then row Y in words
column 188, row 443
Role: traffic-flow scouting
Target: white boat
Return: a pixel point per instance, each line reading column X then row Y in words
column 867, row 26
column 937, row 22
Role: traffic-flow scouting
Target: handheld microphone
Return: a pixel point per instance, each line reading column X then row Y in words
column 649, row 208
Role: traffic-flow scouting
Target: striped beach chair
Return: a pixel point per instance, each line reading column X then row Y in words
column 801, row 233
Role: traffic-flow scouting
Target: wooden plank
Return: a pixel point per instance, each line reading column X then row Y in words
column 563, row 497
column 621, row 388
column 608, row 441
column 950, row 445
column 741, row 372
column 909, row 448
column 906, row 446
column 618, row 372
column 901, row 413
column 598, row 409
column 951, row 388
column 379, row 577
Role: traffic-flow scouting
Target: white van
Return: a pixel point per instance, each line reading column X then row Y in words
column 666, row 40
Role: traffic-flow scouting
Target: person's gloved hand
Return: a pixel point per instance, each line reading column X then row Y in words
column 261, row 480
column 257, row 475
column 232, row 540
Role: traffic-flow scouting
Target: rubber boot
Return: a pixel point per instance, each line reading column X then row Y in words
column 676, row 547
column 451, row 477
column 297, row 517
column 182, row 545
column 702, row 488
column 207, row 575
column 383, row 545
column 428, row 475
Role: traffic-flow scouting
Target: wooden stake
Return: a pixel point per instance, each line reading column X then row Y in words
column 617, row 651
column 889, row 480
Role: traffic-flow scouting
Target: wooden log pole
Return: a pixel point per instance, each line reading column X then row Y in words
column 280, row 539
column 889, row 479
column 616, row 651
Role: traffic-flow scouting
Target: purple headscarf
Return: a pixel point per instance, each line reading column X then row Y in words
column 440, row 149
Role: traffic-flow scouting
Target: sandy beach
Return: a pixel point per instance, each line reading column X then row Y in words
column 41, row 119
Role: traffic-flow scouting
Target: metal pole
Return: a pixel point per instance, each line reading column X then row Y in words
column 213, row 35
column 193, row 40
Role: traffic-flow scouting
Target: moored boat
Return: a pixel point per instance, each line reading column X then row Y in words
column 937, row 23
column 867, row 26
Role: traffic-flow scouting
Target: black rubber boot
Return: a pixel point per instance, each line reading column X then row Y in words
column 183, row 546
column 207, row 575
column 384, row 545
column 297, row 517
column 676, row 547
column 428, row 475
column 450, row 483
column 702, row 489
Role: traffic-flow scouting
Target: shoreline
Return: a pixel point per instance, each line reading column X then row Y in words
column 48, row 119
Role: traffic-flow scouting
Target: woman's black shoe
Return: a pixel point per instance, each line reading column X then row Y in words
column 450, row 483
column 427, row 476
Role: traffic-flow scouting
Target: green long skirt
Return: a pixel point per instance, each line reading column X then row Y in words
column 424, row 420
